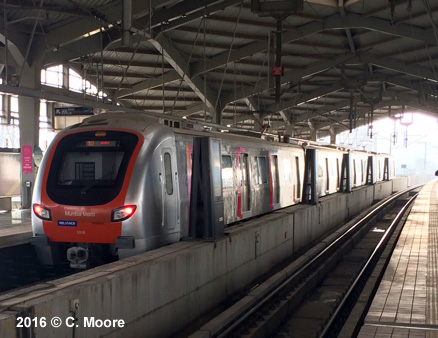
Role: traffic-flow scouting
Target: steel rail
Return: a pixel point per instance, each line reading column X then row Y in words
column 243, row 317
column 369, row 263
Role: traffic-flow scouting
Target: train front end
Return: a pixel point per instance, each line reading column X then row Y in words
column 79, row 200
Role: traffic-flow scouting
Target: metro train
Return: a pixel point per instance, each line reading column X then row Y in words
column 119, row 184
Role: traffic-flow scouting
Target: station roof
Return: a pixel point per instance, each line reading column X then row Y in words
column 342, row 60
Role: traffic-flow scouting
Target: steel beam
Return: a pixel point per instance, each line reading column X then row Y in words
column 335, row 21
column 58, row 95
column 292, row 77
column 398, row 66
column 182, row 67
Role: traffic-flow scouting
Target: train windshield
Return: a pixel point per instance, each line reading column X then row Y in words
column 89, row 168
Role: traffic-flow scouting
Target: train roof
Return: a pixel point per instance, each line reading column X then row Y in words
column 134, row 121
column 140, row 121
column 234, row 137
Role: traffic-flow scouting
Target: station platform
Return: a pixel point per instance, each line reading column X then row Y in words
column 15, row 228
column 406, row 303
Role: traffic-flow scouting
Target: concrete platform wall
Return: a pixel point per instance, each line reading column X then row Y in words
column 382, row 190
column 399, row 184
column 159, row 292
column 419, row 179
column 359, row 199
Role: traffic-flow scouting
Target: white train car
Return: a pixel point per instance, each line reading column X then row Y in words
column 118, row 184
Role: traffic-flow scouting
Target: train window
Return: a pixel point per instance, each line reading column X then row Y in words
column 168, row 173
column 320, row 171
column 354, row 172
column 262, row 170
column 216, row 166
column 245, row 183
column 286, row 170
column 379, row 170
column 85, row 170
column 227, row 172
column 327, row 175
column 297, row 162
column 89, row 169
column 337, row 173
column 275, row 179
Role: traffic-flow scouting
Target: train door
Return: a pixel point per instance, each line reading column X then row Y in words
column 169, row 184
column 244, row 179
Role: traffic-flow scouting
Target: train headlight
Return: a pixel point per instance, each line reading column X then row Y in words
column 122, row 213
column 42, row 212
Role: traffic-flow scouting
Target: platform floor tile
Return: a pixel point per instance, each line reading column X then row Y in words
column 406, row 303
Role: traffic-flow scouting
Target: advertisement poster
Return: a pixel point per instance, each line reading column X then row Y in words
column 26, row 159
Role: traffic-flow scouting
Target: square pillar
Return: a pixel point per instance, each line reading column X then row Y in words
column 28, row 111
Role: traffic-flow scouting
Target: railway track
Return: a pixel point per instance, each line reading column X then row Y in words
column 319, row 294
column 19, row 267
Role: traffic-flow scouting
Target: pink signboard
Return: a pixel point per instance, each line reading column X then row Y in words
column 26, row 159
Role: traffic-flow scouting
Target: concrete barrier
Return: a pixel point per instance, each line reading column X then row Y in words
column 359, row 199
column 382, row 190
column 159, row 292
column 399, row 184
column 419, row 179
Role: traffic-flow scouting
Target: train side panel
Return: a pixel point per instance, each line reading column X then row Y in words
column 358, row 163
column 256, row 178
column 155, row 183
column 329, row 163
column 154, row 188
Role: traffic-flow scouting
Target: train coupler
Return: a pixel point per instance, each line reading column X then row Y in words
column 78, row 257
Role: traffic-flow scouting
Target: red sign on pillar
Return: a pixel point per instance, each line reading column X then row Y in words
column 277, row 71
column 26, row 159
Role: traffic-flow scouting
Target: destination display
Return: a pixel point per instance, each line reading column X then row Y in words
column 73, row 111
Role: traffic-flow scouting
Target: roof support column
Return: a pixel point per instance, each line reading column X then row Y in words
column 217, row 117
column 258, row 122
column 313, row 131
column 288, row 118
column 333, row 131
column 259, row 126
column 258, row 115
column 65, row 79
column 289, row 130
column 126, row 22
column 7, row 108
column 28, row 110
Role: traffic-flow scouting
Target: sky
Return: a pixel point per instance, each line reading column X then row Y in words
column 411, row 140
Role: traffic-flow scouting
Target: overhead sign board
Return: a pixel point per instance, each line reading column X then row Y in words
column 73, row 111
